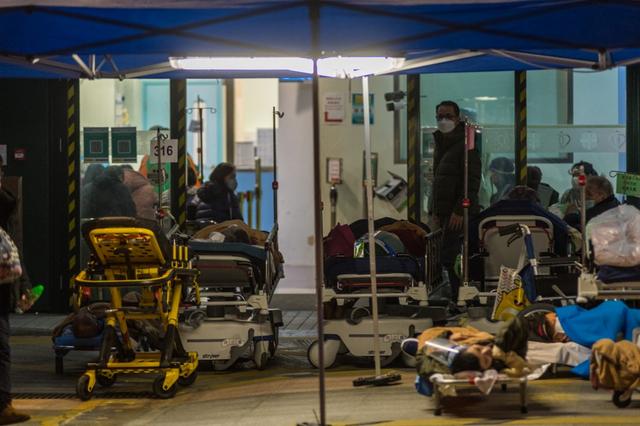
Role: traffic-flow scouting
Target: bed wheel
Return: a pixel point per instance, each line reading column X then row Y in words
column 524, row 410
column 261, row 354
column 504, row 387
column 437, row 412
column 331, row 348
column 618, row 402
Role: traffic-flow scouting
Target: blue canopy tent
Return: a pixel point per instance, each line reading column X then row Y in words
column 109, row 38
column 112, row 39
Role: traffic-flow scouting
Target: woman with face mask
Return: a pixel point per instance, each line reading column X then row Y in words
column 217, row 199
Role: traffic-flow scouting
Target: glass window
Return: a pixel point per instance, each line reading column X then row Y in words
column 487, row 99
column 575, row 116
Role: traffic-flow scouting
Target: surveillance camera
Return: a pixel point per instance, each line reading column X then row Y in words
column 396, row 106
column 396, row 96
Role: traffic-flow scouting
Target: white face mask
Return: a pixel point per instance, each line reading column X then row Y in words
column 446, row 126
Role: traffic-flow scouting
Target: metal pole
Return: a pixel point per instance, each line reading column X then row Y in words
column 200, row 140
column 372, row 238
column 465, row 204
column 333, row 197
column 318, row 243
column 275, row 165
column 583, row 216
column 258, row 192
column 159, row 175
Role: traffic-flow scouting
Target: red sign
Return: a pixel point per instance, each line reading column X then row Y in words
column 19, row 154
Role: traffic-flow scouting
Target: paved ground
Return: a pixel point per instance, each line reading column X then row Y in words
column 286, row 393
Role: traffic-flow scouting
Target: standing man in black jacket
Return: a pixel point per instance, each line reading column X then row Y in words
column 448, row 184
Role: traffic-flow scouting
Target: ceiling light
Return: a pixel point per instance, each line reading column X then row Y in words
column 339, row 66
column 301, row 65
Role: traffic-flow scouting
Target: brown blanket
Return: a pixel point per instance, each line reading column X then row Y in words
column 615, row 365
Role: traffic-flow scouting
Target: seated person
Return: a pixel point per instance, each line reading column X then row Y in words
column 570, row 200
column 502, row 177
column 546, row 194
column 521, row 201
column 217, row 200
column 599, row 198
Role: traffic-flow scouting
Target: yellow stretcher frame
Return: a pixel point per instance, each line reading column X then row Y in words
column 129, row 257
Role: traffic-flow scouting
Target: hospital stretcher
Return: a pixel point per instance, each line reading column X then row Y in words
column 402, row 291
column 126, row 254
column 233, row 318
column 441, row 381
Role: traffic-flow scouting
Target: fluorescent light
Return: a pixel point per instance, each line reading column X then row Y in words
column 339, row 66
column 301, row 65
column 357, row 66
column 486, row 98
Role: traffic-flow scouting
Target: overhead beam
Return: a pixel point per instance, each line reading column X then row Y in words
column 532, row 58
column 148, row 70
column 85, row 68
column 418, row 63
column 64, row 70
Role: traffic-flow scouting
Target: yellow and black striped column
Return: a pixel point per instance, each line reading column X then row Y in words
column 414, row 196
column 178, row 94
column 521, row 127
column 73, row 179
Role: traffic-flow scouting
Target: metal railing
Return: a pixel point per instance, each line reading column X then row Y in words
column 432, row 264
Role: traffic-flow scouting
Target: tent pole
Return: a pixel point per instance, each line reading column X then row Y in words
column 372, row 238
column 314, row 17
column 318, row 242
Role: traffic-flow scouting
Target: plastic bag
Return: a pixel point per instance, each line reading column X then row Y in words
column 615, row 235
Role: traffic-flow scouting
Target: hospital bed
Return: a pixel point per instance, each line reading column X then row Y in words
column 233, row 319
column 403, row 284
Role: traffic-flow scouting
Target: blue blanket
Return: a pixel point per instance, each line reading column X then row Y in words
column 610, row 320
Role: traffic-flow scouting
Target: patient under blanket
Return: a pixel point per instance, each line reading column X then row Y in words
column 237, row 231
column 610, row 320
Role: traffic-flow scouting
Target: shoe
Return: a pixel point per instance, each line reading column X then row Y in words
column 10, row 416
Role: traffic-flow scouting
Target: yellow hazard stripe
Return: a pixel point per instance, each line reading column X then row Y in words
column 521, row 150
column 72, row 184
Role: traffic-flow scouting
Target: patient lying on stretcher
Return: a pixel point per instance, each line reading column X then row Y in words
column 477, row 350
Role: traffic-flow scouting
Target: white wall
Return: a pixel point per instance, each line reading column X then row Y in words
column 295, row 174
column 97, row 103
column 254, row 101
column 346, row 141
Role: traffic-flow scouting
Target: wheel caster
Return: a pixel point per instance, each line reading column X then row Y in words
column 504, row 387
column 162, row 393
column 331, row 348
column 437, row 412
column 82, row 388
column 408, row 360
column 189, row 380
column 618, row 402
column 524, row 410
column 273, row 344
column 104, row 381
column 261, row 354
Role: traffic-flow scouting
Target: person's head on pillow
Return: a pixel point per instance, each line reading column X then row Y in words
column 472, row 358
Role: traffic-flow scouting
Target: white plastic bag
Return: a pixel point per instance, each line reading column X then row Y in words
column 615, row 235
